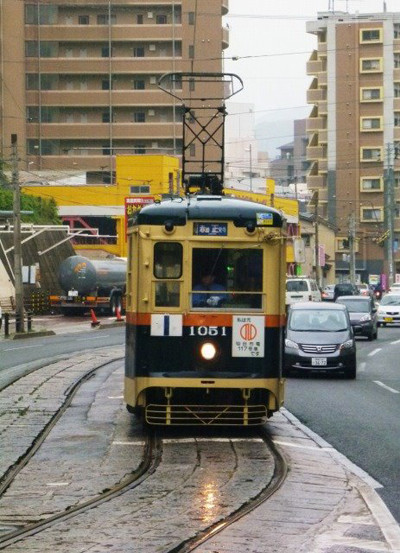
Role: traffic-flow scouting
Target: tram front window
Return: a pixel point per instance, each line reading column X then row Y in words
column 227, row 278
column 167, row 268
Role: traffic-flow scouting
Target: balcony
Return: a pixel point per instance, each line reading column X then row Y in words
column 315, row 123
column 225, row 37
column 314, row 96
column 315, row 152
column 101, row 131
column 314, row 67
column 100, row 98
column 316, row 181
column 92, row 66
column 99, row 33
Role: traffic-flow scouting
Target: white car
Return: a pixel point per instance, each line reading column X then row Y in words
column 395, row 288
column 301, row 289
column 389, row 309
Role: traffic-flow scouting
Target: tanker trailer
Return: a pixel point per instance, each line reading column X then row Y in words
column 90, row 284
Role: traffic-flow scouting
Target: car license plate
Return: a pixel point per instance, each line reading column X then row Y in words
column 318, row 361
column 388, row 319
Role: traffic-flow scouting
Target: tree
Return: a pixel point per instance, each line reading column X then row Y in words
column 44, row 211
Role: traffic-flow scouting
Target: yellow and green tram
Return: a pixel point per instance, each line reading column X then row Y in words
column 205, row 312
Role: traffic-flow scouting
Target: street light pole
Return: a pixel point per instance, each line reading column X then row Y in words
column 19, row 292
column 389, row 213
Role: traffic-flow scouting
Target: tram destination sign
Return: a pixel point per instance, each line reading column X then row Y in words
column 210, row 229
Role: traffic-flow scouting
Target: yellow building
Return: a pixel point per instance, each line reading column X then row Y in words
column 98, row 211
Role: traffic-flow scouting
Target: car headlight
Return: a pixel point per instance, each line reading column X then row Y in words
column 347, row 345
column 208, row 351
column 291, row 344
column 365, row 318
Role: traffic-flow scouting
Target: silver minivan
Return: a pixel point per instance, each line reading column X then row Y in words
column 301, row 289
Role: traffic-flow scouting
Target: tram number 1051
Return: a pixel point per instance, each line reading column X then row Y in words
column 207, row 331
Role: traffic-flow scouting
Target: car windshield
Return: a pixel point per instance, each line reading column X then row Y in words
column 318, row 320
column 355, row 306
column 390, row 300
column 296, row 286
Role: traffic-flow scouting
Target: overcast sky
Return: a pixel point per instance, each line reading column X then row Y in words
column 271, row 37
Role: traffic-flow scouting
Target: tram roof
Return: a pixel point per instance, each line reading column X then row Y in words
column 178, row 211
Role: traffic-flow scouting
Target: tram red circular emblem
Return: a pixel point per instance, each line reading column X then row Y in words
column 248, row 331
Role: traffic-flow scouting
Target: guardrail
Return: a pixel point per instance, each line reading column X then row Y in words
column 10, row 319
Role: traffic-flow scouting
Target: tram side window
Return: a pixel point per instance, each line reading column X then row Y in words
column 167, row 266
column 227, row 277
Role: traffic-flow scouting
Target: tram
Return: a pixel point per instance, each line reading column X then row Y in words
column 205, row 311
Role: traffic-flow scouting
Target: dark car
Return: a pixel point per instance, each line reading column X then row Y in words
column 319, row 337
column 363, row 315
column 345, row 289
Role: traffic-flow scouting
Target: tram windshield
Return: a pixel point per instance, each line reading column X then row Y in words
column 227, row 277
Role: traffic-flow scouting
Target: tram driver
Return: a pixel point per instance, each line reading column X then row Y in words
column 211, row 298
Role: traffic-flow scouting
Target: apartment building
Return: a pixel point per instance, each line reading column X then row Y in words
column 354, row 135
column 79, row 79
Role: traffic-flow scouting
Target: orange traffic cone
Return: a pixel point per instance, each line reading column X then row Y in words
column 119, row 319
column 95, row 322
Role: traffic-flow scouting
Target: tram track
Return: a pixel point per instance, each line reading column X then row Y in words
column 278, row 478
column 151, row 458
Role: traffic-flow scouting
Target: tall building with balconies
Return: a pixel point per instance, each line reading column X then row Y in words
column 354, row 135
column 79, row 78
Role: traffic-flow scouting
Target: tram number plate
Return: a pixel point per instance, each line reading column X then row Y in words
column 388, row 319
column 318, row 361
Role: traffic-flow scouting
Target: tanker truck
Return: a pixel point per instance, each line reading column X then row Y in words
column 90, row 284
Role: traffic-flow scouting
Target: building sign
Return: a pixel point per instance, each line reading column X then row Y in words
column 133, row 204
column 248, row 336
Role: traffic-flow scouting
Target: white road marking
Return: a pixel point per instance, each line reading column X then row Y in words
column 395, row 342
column 93, row 338
column 289, row 444
column 374, row 352
column 386, row 387
column 135, row 442
column 361, row 367
column 54, row 484
column 115, row 397
column 24, row 347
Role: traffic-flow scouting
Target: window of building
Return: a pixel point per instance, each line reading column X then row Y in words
column 161, row 19
column 192, row 85
column 140, row 189
column 192, row 150
column 191, row 18
column 105, row 84
column 191, row 51
column 83, row 20
column 397, row 118
column 397, row 179
column 371, row 123
column 139, row 149
column 105, row 51
column 105, row 116
column 371, row 154
column 31, row 49
column 32, row 81
column 104, row 19
column 371, row 65
column 43, row 14
column 139, row 117
column 396, row 30
column 371, row 184
column 138, row 52
column 396, row 60
column 139, row 19
column 371, row 94
column 139, row 84
column 371, row 214
column 32, row 114
column 397, row 210
column 396, row 90
column 370, row 35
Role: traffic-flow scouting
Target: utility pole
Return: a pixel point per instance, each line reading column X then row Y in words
column 316, row 237
column 352, row 253
column 389, row 211
column 19, row 291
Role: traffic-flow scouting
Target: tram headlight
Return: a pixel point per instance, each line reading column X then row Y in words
column 208, row 351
